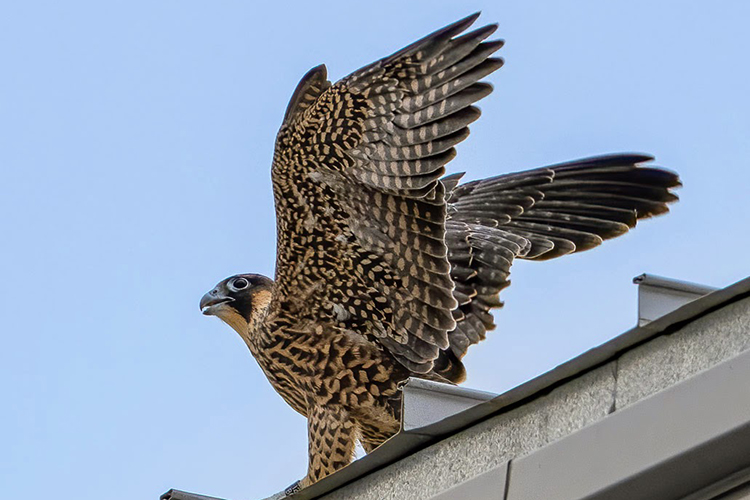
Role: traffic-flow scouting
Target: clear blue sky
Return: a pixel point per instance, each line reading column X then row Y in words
column 135, row 146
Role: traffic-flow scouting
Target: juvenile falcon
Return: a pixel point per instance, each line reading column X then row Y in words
column 386, row 268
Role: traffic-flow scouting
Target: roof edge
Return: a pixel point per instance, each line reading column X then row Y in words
column 411, row 441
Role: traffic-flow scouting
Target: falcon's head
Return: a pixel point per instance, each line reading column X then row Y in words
column 238, row 300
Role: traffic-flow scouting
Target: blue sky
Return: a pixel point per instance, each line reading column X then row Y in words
column 135, row 147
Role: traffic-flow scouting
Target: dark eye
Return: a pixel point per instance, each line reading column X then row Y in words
column 240, row 284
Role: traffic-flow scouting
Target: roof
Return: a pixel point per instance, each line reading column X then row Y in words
column 453, row 436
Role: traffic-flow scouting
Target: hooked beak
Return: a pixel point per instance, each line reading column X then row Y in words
column 213, row 301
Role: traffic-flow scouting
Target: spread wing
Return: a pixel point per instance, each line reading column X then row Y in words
column 360, row 206
column 538, row 215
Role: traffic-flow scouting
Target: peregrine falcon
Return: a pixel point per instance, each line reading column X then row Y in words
column 386, row 268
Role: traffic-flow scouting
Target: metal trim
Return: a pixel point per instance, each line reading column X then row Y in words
column 727, row 488
column 184, row 495
column 489, row 485
column 658, row 296
column 669, row 445
column 426, row 402
column 673, row 284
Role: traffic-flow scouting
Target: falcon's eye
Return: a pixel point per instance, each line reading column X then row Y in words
column 240, row 284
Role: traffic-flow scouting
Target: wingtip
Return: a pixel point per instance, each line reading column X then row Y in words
column 310, row 87
column 636, row 158
column 474, row 16
column 319, row 71
column 441, row 35
column 488, row 30
column 643, row 157
column 459, row 26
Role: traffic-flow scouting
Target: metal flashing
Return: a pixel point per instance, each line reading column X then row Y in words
column 666, row 446
column 658, row 296
column 184, row 495
column 733, row 487
column 425, row 402
column 489, row 485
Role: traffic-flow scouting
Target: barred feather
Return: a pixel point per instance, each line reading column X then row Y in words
column 538, row 215
column 370, row 151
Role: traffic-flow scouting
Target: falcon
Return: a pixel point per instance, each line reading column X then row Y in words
column 388, row 269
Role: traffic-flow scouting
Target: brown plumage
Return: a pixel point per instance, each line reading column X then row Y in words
column 385, row 268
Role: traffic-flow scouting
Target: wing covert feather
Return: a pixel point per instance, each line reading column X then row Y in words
column 360, row 206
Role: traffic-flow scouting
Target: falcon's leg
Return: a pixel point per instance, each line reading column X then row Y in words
column 372, row 436
column 331, row 440
column 369, row 445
